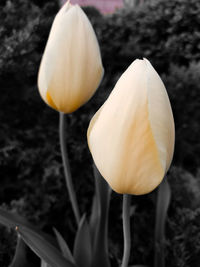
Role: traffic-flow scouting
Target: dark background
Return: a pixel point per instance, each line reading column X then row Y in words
column 165, row 32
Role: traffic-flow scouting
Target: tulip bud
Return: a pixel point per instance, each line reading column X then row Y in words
column 131, row 137
column 71, row 67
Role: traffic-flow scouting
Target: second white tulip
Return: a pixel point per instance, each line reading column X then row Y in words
column 131, row 137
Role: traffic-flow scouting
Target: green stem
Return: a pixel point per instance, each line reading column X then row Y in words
column 163, row 201
column 126, row 229
column 68, row 177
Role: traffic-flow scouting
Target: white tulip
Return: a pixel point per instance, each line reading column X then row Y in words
column 131, row 137
column 71, row 67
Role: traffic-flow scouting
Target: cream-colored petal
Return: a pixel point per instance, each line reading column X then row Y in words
column 160, row 116
column 120, row 136
column 71, row 64
column 47, row 63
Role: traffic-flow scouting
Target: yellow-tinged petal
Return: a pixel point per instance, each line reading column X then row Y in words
column 161, row 117
column 71, row 68
column 50, row 101
column 123, row 137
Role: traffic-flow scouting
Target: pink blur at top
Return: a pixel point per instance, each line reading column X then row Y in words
column 104, row 6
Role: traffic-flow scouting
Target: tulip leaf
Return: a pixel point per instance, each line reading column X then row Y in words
column 9, row 219
column 12, row 220
column 99, row 221
column 44, row 264
column 163, row 200
column 82, row 245
column 45, row 250
column 94, row 218
column 19, row 259
column 63, row 246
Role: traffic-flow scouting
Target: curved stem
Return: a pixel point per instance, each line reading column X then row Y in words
column 163, row 201
column 126, row 229
column 66, row 165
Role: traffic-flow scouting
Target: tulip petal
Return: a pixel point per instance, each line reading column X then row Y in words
column 46, row 66
column 121, row 139
column 160, row 116
column 71, row 67
column 50, row 101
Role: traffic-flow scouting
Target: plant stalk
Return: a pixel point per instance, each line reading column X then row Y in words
column 163, row 201
column 126, row 229
column 67, row 172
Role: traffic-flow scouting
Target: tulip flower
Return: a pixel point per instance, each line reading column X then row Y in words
column 131, row 137
column 71, row 67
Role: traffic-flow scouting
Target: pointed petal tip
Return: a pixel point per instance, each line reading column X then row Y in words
column 66, row 6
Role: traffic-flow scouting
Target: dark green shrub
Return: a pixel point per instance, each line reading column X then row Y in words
column 7, row 245
column 183, row 85
column 183, row 238
column 163, row 31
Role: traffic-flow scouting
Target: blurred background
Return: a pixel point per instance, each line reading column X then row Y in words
column 32, row 183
